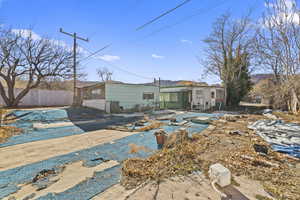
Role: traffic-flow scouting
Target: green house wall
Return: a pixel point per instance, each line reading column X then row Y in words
column 181, row 103
column 130, row 95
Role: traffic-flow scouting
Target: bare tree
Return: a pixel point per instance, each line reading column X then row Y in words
column 23, row 57
column 104, row 74
column 228, row 54
column 278, row 48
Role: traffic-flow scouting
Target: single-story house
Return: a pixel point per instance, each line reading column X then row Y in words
column 114, row 97
column 194, row 97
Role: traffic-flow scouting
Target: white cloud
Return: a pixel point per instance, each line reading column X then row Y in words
column 186, row 41
column 157, row 56
column 27, row 33
column 108, row 58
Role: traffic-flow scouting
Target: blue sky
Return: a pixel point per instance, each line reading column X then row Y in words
column 170, row 53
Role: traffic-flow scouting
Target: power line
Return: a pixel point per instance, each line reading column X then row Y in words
column 119, row 68
column 96, row 52
column 163, row 14
column 184, row 19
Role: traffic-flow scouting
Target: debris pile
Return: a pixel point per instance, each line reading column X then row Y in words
column 244, row 153
column 45, row 178
column 283, row 136
column 168, row 162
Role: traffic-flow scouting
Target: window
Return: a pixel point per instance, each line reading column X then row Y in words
column 96, row 91
column 212, row 94
column 199, row 92
column 220, row 94
column 173, row 97
column 148, row 95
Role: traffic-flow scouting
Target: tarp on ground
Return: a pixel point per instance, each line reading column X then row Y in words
column 118, row 150
column 284, row 137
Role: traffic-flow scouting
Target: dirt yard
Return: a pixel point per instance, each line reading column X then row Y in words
column 74, row 156
column 228, row 141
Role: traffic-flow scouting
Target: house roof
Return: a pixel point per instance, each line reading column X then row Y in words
column 114, row 82
column 194, row 86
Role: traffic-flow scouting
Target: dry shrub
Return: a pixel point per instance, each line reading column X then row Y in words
column 176, row 138
column 180, row 160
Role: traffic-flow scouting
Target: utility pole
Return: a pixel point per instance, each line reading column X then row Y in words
column 75, row 37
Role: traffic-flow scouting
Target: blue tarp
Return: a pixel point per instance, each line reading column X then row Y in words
column 283, row 137
column 119, row 150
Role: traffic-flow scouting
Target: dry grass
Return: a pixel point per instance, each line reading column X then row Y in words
column 8, row 131
column 136, row 148
column 277, row 172
column 288, row 117
column 152, row 125
column 168, row 162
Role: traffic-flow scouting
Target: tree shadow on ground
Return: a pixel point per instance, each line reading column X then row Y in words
column 89, row 119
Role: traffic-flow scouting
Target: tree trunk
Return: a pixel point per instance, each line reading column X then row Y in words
column 3, row 95
column 295, row 104
column 225, row 94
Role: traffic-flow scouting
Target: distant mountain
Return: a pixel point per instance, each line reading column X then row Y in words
column 166, row 83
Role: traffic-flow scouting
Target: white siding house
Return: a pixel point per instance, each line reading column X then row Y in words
column 194, row 97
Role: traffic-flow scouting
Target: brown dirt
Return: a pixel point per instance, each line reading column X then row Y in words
column 8, row 131
column 278, row 173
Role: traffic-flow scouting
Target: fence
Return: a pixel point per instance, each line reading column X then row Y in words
column 38, row 97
